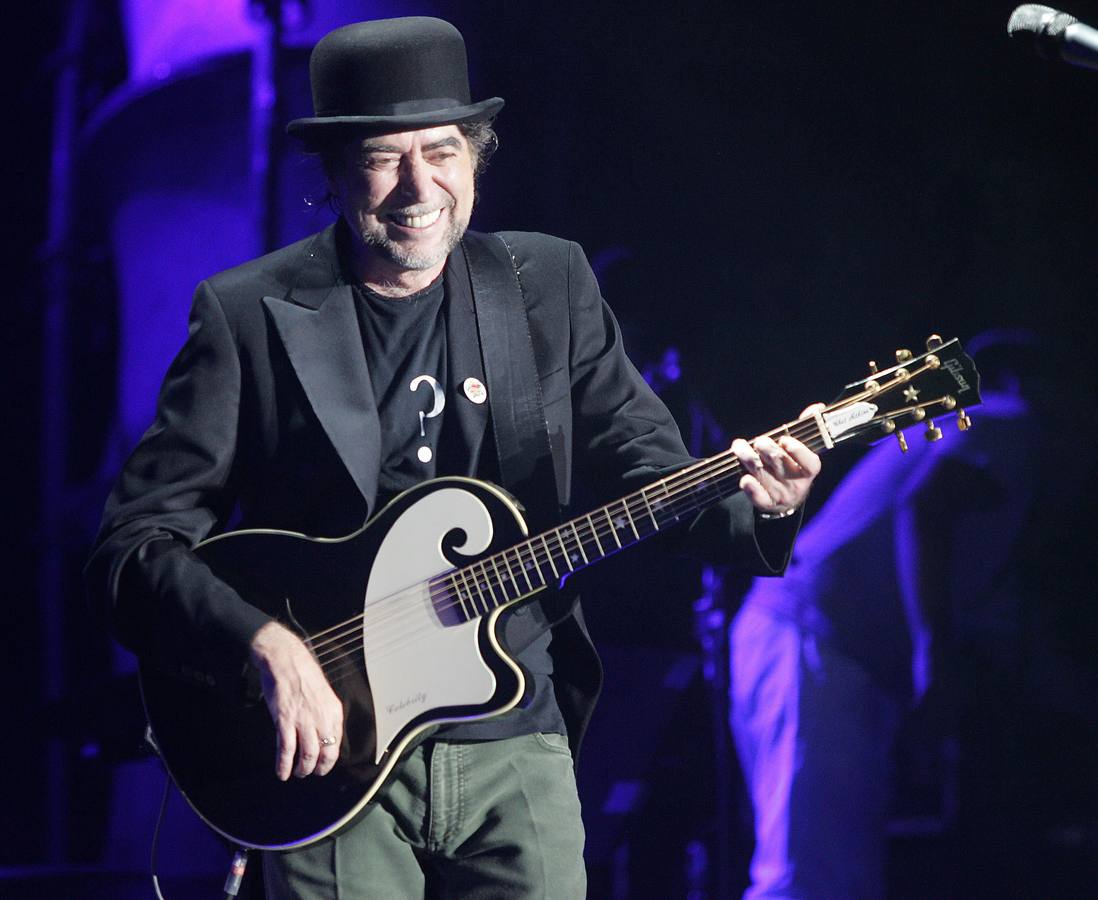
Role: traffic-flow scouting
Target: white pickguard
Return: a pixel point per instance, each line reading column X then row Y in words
column 414, row 662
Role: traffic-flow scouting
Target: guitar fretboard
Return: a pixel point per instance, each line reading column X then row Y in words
column 548, row 558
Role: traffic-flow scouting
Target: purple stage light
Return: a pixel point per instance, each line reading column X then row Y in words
column 166, row 37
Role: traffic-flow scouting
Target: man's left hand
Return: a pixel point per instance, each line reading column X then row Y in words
column 779, row 473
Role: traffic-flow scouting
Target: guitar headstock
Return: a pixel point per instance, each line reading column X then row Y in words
column 917, row 390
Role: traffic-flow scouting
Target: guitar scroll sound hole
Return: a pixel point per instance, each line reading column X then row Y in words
column 448, row 607
column 454, row 538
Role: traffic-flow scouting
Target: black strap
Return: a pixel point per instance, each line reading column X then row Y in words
column 510, row 371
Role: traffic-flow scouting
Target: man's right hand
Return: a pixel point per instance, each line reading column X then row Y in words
column 306, row 711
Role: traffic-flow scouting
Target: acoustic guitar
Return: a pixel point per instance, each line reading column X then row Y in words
column 402, row 615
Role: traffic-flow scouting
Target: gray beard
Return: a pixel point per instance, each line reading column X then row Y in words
column 409, row 258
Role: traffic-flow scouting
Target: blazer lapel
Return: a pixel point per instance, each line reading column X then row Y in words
column 319, row 328
column 466, row 420
column 522, row 441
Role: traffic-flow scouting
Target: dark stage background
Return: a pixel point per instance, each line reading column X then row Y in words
column 780, row 193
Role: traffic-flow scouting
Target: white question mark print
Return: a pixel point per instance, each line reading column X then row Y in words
column 424, row 453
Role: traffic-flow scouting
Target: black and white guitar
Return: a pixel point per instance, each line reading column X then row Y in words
column 402, row 615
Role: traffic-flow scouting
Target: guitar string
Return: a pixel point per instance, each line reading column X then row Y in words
column 715, row 469
column 712, row 469
column 568, row 535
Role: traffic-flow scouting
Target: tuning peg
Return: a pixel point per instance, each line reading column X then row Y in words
column 934, row 342
column 903, row 356
column 963, row 421
column 903, row 441
column 933, row 432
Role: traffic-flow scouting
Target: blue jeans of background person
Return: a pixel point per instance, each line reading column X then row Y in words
column 814, row 733
column 485, row 819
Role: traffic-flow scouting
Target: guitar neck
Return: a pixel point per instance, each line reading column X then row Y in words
column 548, row 558
column 942, row 380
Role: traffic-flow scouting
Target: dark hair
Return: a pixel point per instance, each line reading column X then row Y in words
column 483, row 141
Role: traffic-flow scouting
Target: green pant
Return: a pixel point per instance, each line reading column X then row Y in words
column 492, row 819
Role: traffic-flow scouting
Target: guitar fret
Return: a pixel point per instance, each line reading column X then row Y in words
column 493, row 576
column 613, row 527
column 535, row 564
column 595, row 534
column 496, row 580
column 500, row 580
column 485, row 600
column 526, row 566
column 579, row 544
column 511, row 575
column 648, row 506
column 628, row 516
column 488, row 584
column 549, row 556
column 564, row 550
column 457, row 591
column 469, row 585
column 668, row 501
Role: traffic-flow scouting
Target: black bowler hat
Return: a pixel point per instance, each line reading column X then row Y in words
column 390, row 75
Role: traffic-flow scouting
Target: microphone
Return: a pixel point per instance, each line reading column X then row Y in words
column 1056, row 35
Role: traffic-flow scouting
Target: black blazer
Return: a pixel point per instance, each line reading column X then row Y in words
column 266, row 418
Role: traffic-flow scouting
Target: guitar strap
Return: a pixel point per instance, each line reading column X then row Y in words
column 523, row 443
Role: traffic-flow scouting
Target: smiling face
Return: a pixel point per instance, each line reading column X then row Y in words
column 407, row 198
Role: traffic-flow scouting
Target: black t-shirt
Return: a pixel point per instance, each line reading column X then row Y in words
column 405, row 344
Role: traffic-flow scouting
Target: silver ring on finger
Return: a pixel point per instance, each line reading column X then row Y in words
column 327, row 741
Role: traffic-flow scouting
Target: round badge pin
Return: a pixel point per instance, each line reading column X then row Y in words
column 474, row 390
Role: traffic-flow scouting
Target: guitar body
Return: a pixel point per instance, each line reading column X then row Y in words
column 400, row 659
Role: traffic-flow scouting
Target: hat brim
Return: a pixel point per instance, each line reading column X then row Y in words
column 314, row 129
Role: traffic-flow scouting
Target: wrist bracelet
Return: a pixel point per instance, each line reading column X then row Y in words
column 770, row 516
